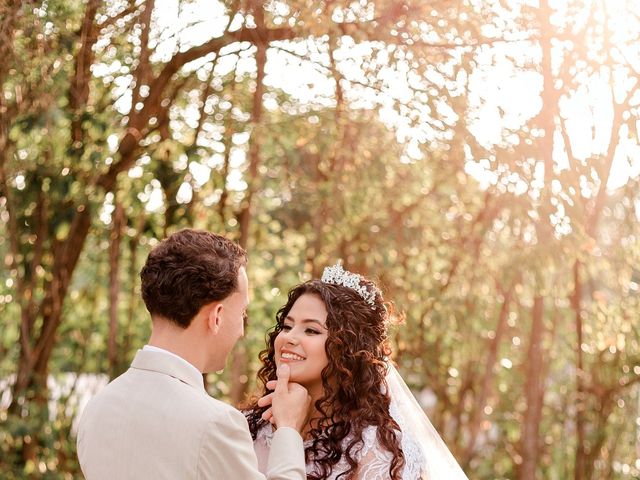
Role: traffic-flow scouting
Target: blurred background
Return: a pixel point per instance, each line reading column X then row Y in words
column 480, row 159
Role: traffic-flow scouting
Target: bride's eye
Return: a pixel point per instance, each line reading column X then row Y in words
column 285, row 328
column 312, row 331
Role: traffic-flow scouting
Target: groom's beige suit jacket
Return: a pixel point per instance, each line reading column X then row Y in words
column 156, row 421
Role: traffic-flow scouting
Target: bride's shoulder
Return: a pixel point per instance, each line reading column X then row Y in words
column 369, row 434
column 370, row 439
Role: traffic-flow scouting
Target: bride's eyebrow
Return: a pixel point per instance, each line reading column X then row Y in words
column 307, row 320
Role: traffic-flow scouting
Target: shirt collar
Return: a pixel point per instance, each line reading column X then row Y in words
column 185, row 372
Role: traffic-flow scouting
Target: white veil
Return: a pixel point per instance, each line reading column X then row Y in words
column 426, row 455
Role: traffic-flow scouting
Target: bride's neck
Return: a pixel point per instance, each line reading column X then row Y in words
column 306, row 430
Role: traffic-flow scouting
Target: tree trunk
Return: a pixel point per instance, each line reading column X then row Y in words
column 579, row 470
column 117, row 226
column 488, row 377
column 534, row 383
column 244, row 217
column 79, row 88
column 134, row 243
column 534, row 394
column 33, row 368
column 239, row 365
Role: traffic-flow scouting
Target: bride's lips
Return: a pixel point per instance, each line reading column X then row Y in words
column 288, row 356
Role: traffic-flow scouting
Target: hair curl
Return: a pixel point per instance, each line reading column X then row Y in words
column 353, row 380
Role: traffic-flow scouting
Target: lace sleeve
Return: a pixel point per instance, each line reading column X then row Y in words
column 262, row 447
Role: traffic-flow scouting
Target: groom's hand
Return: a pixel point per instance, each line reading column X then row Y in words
column 289, row 402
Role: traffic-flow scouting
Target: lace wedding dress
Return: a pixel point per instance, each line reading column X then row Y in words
column 426, row 455
column 373, row 462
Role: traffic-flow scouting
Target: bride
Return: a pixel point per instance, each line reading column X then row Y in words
column 365, row 423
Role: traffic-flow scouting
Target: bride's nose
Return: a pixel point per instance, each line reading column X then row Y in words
column 290, row 337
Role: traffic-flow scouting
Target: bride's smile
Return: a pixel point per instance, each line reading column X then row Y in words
column 287, row 356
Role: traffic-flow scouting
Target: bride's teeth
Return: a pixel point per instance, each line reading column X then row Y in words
column 291, row 356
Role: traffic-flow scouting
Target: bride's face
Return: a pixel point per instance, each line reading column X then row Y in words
column 300, row 343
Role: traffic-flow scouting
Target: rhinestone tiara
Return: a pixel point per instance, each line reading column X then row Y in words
column 336, row 275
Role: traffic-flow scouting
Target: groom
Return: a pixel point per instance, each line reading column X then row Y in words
column 156, row 420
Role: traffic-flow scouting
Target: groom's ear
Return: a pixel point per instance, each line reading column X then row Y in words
column 214, row 317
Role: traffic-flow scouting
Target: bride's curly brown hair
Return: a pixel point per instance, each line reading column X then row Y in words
column 353, row 381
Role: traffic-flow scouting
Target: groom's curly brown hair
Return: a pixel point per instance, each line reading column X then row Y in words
column 188, row 270
column 353, row 380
